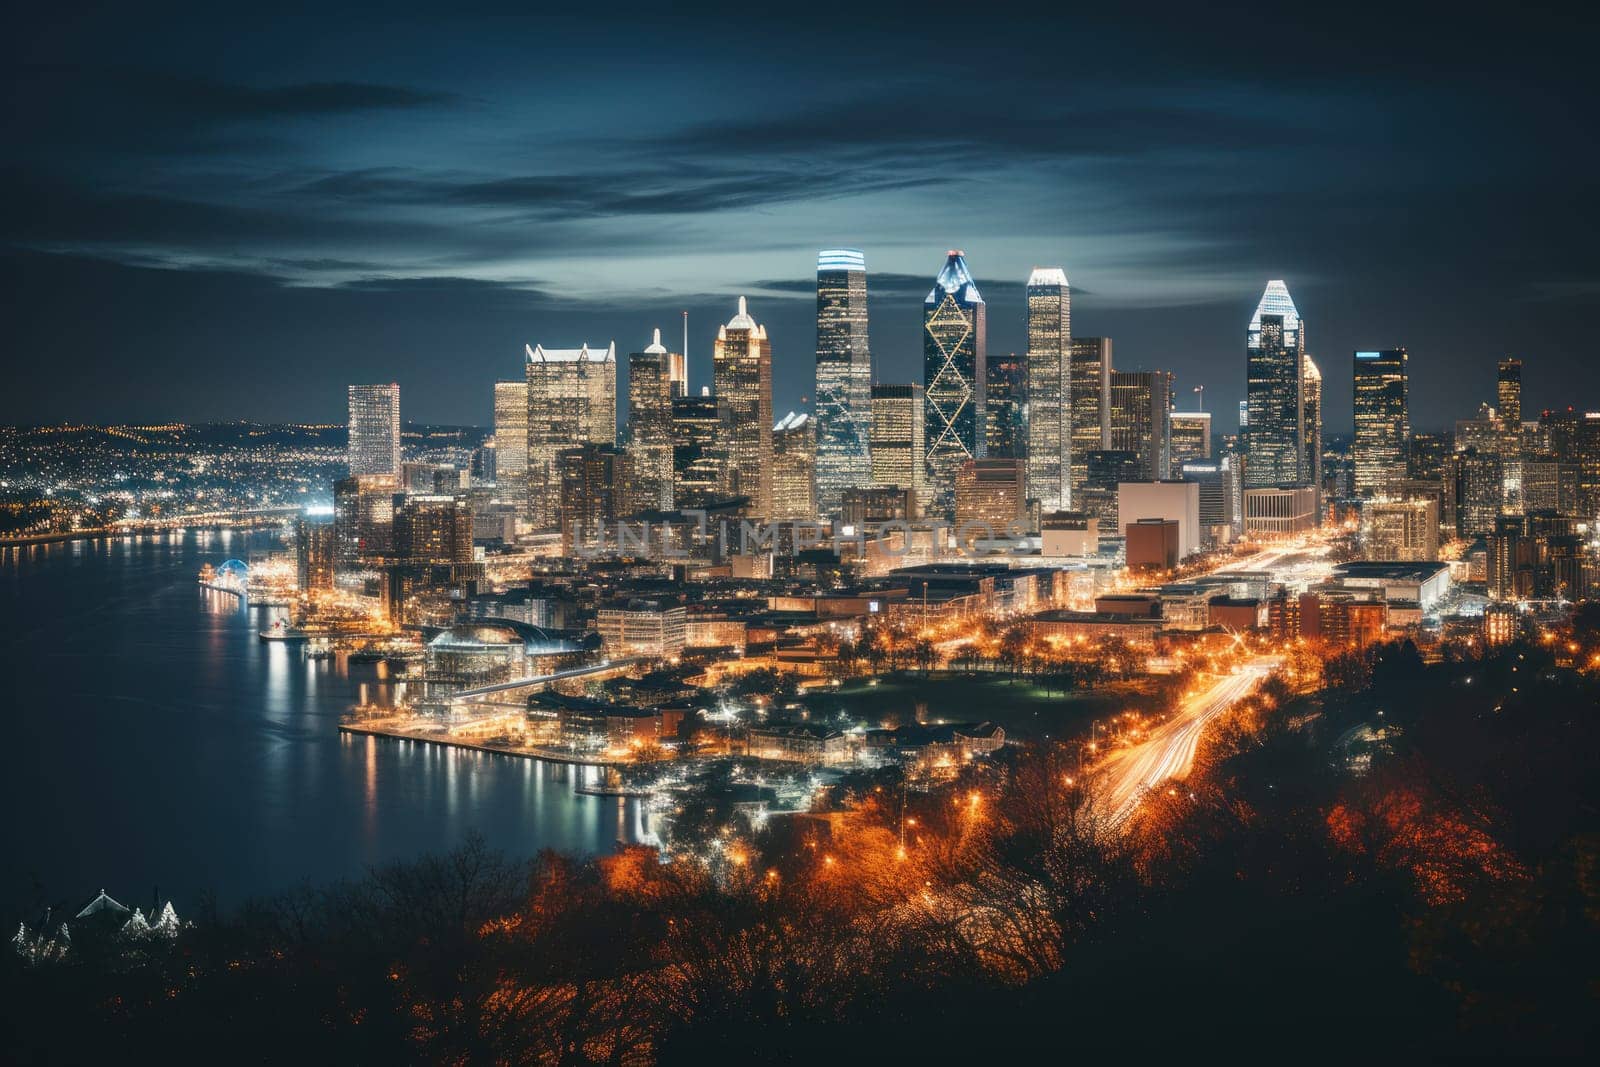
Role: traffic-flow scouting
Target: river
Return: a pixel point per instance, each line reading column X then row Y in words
column 157, row 746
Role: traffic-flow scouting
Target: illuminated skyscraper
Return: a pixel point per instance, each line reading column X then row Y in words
column 1382, row 420
column 1005, row 431
column 1090, row 419
column 897, row 442
column 593, row 493
column 844, row 376
column 698, row 455
column 1049, row 391
column 1140, row 401
column 511, row 442
column 363, row 518
column 1275, row 438
column 794, row 464
column 572, row 401
column 1189, row 438
column 650, row 393
column 954, row 359
column 374, row 442
column 1509, row 393
column 742, row 377
column 1311, row 421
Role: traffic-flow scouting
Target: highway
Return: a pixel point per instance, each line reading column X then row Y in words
column 1127, row 775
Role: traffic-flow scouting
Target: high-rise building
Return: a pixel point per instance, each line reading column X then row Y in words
column 432, row 528
column 955, row 363
column 363, row 518
column 1311, row 421
column 650, row 393
column 1005, row 407
column 315, row 552
column 1275, row 438
column 374, row 442
column 511, row 442
column 1476, row 483
column 572, row 400
column 990, row 494
column 794, row 463
column 1220, row 508
column 1049, row 388
column 1140, row 401
column 1400, row 530
column 593, row 491
column 698, row 455
column 742, row 380
column 1089, row 420
column 1426, row 455
column 844, row 376
column 897, row 445
column 1509, row 393
column 1382, row 420
column 1188, row 438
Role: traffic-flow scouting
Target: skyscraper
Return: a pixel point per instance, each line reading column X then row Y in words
column 1311, row 421
column 572, row 401
column 897, row 442
column 1005, row 431
column 844, row 376
column 1049, row 388
column 1382, row 420
column 1275, row 439
column 511, row 442
column 1090, row 419
column 742, row 377
column 698, row 453
column 592, row 494
column 1509, row 393
column 1189, row 438
column 794, row 465
column 374, row 442
column 954, row 359
column 1140, row 401
column 650, row 392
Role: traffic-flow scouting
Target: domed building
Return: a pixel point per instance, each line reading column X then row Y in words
column 486, row 651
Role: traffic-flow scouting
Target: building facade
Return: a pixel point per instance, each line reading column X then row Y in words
column 1275, row 437
column 742, row 380
column 374, row 442
column 1188, row 439
column 572, row 400
column 1382, row 420
column 1140, row 401
column 897, row 439
column 1089, row 418
column 511, row 442
column 795, row 454
column 955, row 362
column 844, row 376
column 650, row 393
column 1049, row 388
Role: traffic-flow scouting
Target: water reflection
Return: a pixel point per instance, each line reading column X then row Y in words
column 168, row 746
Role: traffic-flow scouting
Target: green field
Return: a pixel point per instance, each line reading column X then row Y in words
column 1025, row 709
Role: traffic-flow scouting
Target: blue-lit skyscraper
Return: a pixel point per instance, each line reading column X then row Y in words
column 844, row 377
column 953, row 354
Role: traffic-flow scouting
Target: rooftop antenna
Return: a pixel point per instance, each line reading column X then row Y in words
column 1200, row 392
column 686, row 334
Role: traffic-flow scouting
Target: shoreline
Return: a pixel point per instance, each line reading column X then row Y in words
column 547, row 755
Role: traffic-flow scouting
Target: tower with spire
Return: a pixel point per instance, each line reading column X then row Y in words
column 651, row 387
column 741, row 363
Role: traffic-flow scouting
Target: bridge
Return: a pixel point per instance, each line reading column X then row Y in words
column 610, row 668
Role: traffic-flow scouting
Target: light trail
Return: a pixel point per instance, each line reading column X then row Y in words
column 1127, row 775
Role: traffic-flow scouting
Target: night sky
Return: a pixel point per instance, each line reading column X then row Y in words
column 212, row 215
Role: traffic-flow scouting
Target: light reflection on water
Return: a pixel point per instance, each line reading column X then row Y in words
column 162, row 744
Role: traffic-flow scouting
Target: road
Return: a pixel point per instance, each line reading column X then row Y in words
column 1127, row 775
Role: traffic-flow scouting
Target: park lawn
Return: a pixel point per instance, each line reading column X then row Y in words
column 1023, row 706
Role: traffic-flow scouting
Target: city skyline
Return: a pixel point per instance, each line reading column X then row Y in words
column 375, row 210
